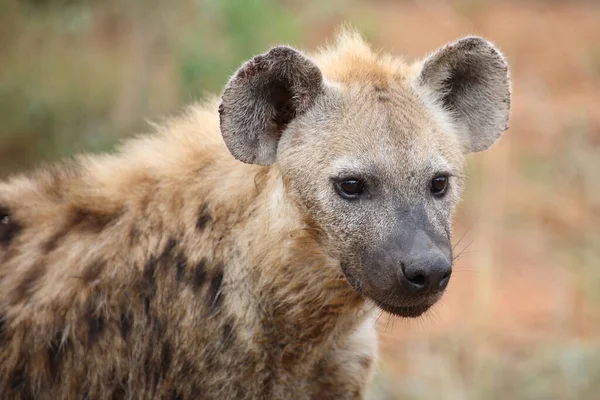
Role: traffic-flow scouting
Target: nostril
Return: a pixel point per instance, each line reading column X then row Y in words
column 444, row 281
column 415, row 278
column 418, row 280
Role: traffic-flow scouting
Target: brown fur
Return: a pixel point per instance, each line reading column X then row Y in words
column 172, row 270
column 151, row 270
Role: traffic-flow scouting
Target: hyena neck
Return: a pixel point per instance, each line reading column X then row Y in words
column 298, row 290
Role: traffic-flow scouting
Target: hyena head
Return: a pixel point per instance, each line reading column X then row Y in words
column 372, row 149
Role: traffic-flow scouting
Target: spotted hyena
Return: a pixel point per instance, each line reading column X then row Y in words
column 239, row 252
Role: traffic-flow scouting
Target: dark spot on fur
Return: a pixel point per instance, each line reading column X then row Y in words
column 125, row 325
column 3, row 328
column 228, row 334
column 56, row 353
column 175, row 395
column 147, row 368
column 158, row 328
column 165, row 358
column 55, row 239
column 149, row 269
column 9, row 228
column 365, row 362
column 383, row 98
column 26, row 287
column 203, row 219
column 156, row 380
column 134, row 236
column 147, row 306
column 180, row 269
column 155, row 356
column 210, row 359
column 198, row 275
column 92, row 272
column 150, row 283
column 19, row 383
column 119, row 393
column 90, row 220
column 215, row 295
column 95, row 328
column 80, row 220
column 168, row 249
column 50, row 244
column 18, row 379
column 119, row 385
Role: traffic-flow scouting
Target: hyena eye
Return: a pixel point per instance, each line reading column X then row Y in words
column 350, row 188
column 439, row 185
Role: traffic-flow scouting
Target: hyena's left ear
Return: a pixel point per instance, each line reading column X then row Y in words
column 262, row 98
column 470, row 79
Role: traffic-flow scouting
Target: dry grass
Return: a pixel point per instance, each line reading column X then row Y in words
column 522, row 316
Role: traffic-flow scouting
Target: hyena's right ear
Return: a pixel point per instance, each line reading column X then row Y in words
column 261, row 99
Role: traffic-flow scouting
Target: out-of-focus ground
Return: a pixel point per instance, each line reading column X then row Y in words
column 521, row 319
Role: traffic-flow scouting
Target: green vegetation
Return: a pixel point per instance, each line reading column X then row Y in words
column 79, row 75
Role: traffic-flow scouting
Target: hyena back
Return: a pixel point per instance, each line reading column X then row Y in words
column 241, row 254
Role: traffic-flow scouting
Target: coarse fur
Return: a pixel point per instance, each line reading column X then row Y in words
column 172, row 270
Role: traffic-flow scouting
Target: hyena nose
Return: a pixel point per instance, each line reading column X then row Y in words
column 428, row 275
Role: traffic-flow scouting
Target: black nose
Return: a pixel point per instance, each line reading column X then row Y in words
column 429, row 275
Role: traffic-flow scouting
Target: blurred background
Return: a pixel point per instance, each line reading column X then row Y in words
column 521, row 319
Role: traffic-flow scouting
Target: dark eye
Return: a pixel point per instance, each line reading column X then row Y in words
column 439, row 185
column 350, row 188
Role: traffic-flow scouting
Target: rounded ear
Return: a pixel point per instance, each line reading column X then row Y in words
column 470, row 79
column 262, row 98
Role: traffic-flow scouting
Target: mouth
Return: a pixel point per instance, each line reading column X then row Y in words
column 405, row 311
column 413, row 311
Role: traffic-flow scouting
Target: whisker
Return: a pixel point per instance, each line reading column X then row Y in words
column 465, row 233
column 462, row 251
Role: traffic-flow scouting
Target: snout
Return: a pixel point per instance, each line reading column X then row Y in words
column 427, row 274
column 407, row 277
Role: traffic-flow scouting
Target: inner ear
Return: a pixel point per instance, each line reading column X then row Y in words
column 281, row 96
column 262, row 98
column 461, row 78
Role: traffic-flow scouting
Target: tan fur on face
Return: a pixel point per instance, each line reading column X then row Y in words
column 169, row 269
